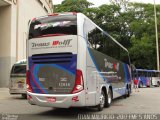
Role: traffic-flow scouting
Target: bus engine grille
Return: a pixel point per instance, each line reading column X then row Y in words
column 52, row 58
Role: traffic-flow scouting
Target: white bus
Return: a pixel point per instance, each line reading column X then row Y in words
column 17, row 83
column 68, row 55
column 155, row 78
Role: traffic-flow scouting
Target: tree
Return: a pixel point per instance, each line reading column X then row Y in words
column 131, row 24
column 143, row 52
column 72, row 6
column 143, row 47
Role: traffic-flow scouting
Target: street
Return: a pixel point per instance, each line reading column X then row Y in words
column 145, row 101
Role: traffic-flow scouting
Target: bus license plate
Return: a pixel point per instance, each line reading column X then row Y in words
column 51, row 99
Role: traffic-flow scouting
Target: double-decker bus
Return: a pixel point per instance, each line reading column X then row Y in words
column 74, row 63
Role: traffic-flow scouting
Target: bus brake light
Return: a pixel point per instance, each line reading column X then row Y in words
column 28, row 85
column 79, row 84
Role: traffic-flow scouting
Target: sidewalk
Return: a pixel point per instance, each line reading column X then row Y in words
column 4, row 93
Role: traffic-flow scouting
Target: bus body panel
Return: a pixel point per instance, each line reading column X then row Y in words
column 155, row 81
column 54, row 44
column 108, row 72
column 144, row 81
column 57, row 74
column 90, row 82
column 63, row 100
column 58, row 101
column 17, row 83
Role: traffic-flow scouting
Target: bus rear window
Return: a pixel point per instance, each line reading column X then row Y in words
column 19, row 69
column 53, row 26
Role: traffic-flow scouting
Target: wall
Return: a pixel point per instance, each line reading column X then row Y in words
column 29, row 9
column 14, row 20
column 5, row 44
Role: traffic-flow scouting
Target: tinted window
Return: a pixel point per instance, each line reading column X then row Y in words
column 53, row 25
column 19, row 69
column 102, row 42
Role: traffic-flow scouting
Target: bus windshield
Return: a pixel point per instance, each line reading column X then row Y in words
column 53, row 26
column 19, row 69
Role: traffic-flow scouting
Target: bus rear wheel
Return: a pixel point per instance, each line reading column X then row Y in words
column 24, row 96
column 129, row 91
column 158, row 84
column 140, row 84
column 102, row 101
column 108, row 98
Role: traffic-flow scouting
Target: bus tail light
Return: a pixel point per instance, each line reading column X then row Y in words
column 28, row 85
column 79, row 83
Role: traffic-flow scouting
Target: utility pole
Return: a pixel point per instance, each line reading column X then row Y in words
column 156, row 30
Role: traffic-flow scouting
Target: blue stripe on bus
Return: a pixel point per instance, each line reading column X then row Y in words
column 125, row 72
column 35, row 72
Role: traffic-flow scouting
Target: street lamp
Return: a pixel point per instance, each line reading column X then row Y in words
column 157, row 46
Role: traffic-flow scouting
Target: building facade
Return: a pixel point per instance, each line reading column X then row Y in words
column 14, row 20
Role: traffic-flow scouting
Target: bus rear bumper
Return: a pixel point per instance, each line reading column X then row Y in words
column 17, row 91
column 57, row 101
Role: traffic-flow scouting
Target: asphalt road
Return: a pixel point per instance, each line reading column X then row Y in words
column 13, row 106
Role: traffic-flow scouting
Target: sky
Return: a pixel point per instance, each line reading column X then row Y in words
column 100, row 2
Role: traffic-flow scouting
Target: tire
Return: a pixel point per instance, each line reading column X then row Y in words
column 129, row 91
column 158, row 84
column 108, row 99
column 102, row 101
column 24, row 96
column 126, row 93
column 140, row 85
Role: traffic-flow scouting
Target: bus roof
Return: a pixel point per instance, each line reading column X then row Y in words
column 105, row 32
column 21, row 62
column 75, row 13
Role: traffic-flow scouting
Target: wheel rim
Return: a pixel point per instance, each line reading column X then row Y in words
column 109, row 97
column 102, row 100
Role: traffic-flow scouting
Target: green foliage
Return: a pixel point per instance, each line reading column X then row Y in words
column 72, row 6
column 142, row 52
column 143, row 43
column 132, row 24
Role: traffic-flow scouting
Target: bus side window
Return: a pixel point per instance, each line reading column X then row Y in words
column 88, row 30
